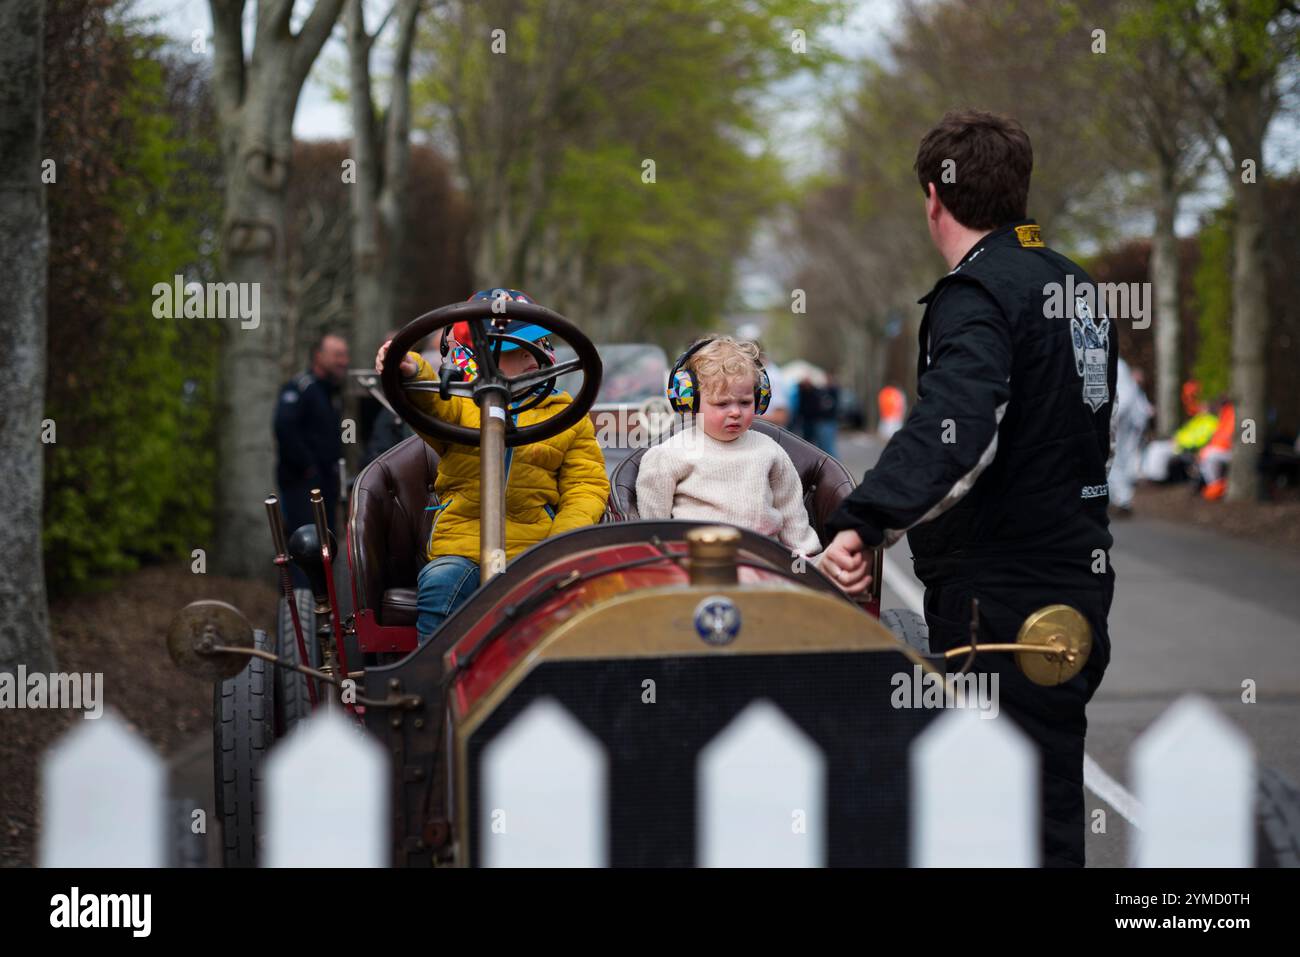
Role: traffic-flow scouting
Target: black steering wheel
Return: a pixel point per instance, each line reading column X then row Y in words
column 487, row 319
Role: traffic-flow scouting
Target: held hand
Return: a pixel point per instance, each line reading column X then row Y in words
column 845, row 563
column 408, row 366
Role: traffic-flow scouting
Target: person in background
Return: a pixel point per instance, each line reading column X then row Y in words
column 828, row 416
column 384, row 427
column 1132, row 412
column 893, row 407
column 308, row 440
column 808, row 408
column 1215, row 456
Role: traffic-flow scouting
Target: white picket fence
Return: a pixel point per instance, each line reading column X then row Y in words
column 761, row 794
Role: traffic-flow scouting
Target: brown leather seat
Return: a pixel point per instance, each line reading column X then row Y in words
column 825, row 481
column 389, row 528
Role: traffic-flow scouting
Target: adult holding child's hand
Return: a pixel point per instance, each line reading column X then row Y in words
column 845, row 563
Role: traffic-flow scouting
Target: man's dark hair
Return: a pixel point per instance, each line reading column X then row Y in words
column 988, row 181
column 319, row 342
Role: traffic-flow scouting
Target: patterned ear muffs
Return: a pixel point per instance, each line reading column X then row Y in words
column 684, row 393
column 544, row 344
column 462, row 359
column 762, row 391
column 681, row 391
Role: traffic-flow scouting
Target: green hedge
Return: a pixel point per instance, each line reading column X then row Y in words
column 130, row 477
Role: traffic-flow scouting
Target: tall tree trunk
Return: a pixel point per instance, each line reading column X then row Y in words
column 1168, row 321
column 24, row 250
column 397, row 161
column 253, row 255
column 370, row 323
column 256, row 101
column 1249, row 106
column 1249, row 333
column 378, row 226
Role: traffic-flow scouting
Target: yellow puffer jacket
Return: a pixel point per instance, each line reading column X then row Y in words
column 552, row 486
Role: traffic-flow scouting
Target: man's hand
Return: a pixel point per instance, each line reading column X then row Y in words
column 409, row 366
column 845, row 563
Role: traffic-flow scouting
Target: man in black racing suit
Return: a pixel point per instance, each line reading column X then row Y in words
column 999, row 474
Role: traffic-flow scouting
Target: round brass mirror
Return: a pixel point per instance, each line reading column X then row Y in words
column 200, row 626
column 1060, row 627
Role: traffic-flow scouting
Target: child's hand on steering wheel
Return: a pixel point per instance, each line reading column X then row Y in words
column 408, row 366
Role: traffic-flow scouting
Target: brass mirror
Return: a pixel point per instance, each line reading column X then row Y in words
column 199, row 629
column 1051, row 648
column 1057, row 641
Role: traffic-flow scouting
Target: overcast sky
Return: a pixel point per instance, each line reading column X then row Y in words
column 796, row 113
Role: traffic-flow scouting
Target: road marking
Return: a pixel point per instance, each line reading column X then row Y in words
column 1095, row 778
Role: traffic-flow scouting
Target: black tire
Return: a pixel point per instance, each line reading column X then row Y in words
column 909, row 627
column 1277, row 827
column 243, row 731
column 188, row 849
column 293, row 701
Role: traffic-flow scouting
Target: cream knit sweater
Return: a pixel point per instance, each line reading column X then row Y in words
column 749, row 482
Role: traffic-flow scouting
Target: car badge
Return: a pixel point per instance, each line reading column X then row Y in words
column 717, row 620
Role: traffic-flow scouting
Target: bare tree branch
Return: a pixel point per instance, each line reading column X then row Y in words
column 227, row 56
column 312, row 36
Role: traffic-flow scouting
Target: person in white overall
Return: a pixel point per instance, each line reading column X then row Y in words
column 1132, row 412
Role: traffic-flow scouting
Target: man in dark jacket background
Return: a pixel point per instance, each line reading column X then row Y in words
column 307, row 433
column 999, row 474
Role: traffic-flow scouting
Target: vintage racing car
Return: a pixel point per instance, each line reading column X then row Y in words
column 717, row 616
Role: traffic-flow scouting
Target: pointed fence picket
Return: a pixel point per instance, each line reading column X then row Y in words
column 1194, row 773
column 543, row 793
column 762, row 794
column 974, row 794
column 327, row 797
column 104, row 795
column 761, row 786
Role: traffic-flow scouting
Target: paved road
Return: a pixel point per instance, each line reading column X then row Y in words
column 1193, row 612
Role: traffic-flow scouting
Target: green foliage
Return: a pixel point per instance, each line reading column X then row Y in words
column 1213, row 284
column 553, row 135
column 131, row 474
column 1235, row 38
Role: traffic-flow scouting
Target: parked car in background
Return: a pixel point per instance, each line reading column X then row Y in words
column 631, row 406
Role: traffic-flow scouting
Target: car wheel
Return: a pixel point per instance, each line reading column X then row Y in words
column 293, row 702
column 1277, row 835
column 909, row 627
column 243, row 731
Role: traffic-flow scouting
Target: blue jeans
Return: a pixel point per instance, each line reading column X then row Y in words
column 444, row 585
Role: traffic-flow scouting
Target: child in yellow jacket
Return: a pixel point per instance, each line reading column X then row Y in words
column 552, row 486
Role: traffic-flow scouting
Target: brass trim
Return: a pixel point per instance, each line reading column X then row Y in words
column 776, row 618
column 1070, row 637
column 199, row 629
column 712, row 551
column 492, row 486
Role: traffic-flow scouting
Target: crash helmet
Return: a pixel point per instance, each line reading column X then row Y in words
column 514, row 327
